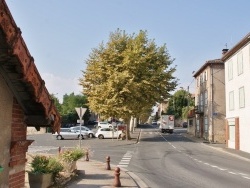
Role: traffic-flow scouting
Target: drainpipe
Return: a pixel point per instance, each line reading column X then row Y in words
column 212, row 102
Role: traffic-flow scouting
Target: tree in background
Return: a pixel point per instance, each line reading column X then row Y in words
column 56, row 102
column 179, row 104
column 127, row 76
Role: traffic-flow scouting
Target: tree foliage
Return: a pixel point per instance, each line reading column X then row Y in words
column 127, row 75
column 179, row 104
column 67, row 108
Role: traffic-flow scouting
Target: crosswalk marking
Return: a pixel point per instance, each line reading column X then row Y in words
column 126, row 159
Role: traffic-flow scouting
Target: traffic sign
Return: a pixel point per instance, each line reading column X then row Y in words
column 80, row 111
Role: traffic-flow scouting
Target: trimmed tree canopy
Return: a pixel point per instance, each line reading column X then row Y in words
column 127, row 75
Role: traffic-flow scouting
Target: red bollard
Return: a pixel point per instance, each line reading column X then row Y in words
column 108, row 163
column 59, row 150
column 87, row 156
column 117, row 182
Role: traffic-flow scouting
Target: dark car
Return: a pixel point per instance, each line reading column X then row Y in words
column 185, row 125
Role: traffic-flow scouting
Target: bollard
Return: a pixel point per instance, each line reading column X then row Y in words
column 59, row 150
column 108, row 163
column 117, row 182
column 87, row 156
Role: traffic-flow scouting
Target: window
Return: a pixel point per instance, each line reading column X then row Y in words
column 190, row 122
column 206, row 99
column 198, row 100
column 201, row 79
column 202, row 99
column 240, row 63
column 205, row 76
column 230, row 70
column 231, row 100
column 205, row 124
column 241, row 97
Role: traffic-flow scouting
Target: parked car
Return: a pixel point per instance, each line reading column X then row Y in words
column 104, row 124
column 84, row 130
column 67, row 133
column 185, row 124
column 154, row 123
column 108, row 133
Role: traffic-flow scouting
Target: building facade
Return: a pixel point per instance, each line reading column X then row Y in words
column 24, row 101
column 237, row 88
column 210, row 102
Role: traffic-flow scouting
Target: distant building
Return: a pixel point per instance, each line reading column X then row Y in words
column 237, row 87
column 210, row 102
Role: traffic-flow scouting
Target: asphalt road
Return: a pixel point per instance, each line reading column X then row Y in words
column 161, row 160
column 99, row 148
column 171, row 160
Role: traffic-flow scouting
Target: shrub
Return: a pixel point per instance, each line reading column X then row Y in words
column 72, row 155
column 43, row 165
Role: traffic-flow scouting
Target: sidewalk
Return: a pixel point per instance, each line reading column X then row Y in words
column 93, row 174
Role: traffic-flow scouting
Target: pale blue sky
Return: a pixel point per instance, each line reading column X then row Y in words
column 61, row 33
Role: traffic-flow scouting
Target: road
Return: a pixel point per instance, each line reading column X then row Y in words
column 171, row 160
column 161, row 160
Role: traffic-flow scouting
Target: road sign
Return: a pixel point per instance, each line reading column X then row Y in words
column 80, row 111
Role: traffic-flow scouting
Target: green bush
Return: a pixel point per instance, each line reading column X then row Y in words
column 44, row 164
column 72, row 155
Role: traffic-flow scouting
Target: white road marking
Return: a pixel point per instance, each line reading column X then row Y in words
column 125, row 160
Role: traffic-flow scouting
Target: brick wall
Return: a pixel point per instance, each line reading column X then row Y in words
column 17, row 180
column 18, row 148
column 6, row 101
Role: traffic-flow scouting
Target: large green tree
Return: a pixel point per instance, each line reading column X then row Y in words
column 127, row 75
column 70, row 102
column 179, row 104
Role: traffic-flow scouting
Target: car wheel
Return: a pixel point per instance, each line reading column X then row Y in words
column 91, row 135
column 59, row 137
column 119, row 137
column 99, row 127
column 82, row 137
column 101, row 136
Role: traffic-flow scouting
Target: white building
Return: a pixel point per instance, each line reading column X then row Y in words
column 237, row 92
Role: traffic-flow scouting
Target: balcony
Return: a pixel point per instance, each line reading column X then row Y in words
column 199, row 109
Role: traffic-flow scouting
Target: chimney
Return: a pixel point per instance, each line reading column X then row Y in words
column 224, row 51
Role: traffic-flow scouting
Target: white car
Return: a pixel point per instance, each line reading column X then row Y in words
column 104, row 124
column 67, row 133
column 108, row 133
column 84, row 129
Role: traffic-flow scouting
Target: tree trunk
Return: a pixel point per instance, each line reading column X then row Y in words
column 127, row 121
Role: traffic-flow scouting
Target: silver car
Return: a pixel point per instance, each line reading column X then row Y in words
column 67, row 133
column 84, row 130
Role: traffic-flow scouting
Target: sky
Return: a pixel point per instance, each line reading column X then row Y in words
column 60, row 34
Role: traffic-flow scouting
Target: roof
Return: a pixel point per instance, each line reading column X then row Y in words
column 21, row 75
column 237, row 47
column 208, row 63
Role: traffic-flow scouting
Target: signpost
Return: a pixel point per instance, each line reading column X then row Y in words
column 80, row 111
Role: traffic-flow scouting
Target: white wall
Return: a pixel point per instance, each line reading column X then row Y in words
column 234, row 85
